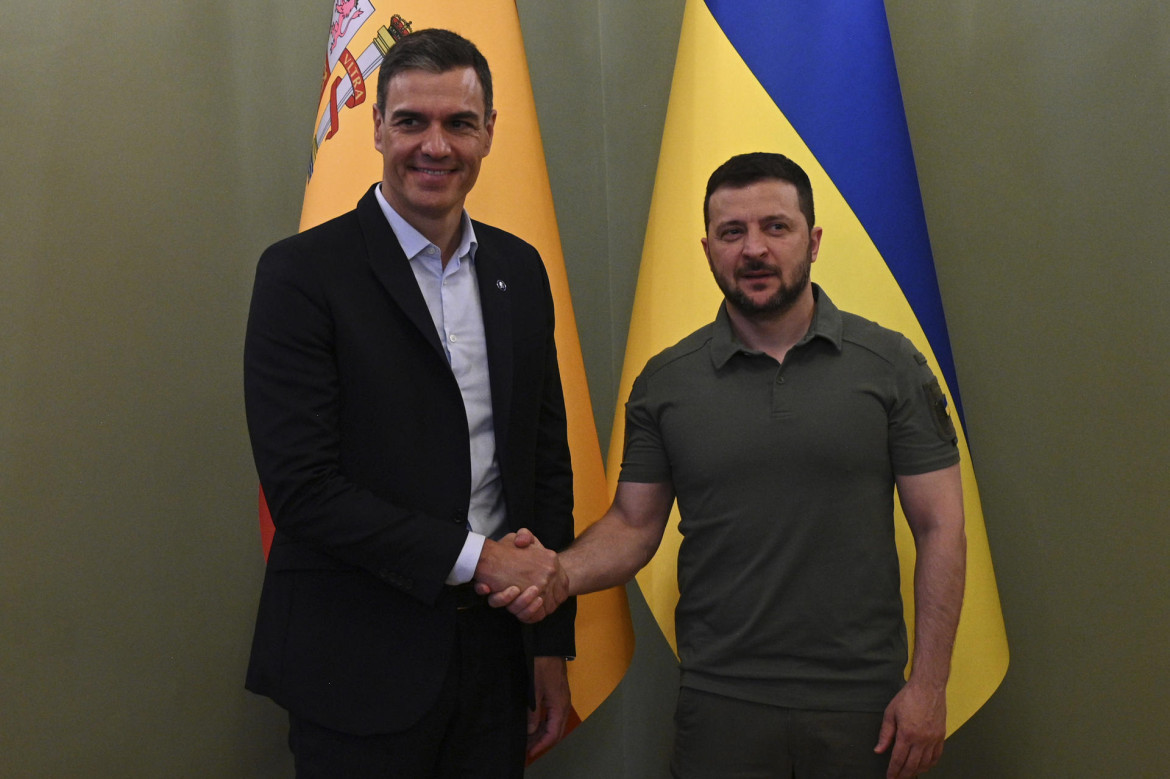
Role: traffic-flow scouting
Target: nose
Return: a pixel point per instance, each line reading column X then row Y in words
column 434, row 143
column 753, row 243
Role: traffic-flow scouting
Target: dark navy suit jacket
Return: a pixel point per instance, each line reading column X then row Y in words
column 360, row 439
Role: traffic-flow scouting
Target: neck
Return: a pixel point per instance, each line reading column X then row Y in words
column 444, row 230
column 774, row 333
column 446, row 237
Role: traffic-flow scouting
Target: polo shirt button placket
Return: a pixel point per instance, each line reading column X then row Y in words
column 778, row 407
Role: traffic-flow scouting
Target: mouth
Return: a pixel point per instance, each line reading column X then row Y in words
column 755, row 274
column 433, row 172
column 757, row 280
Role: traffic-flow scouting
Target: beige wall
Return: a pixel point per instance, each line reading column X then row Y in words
column 150, row 151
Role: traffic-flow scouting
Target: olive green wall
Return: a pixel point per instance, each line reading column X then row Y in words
column 150, row 151
column 1041, row 132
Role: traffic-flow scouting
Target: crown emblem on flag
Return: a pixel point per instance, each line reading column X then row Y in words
column 348, row 89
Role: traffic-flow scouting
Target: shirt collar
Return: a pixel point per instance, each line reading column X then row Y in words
column 826, row 323
column 413, row 242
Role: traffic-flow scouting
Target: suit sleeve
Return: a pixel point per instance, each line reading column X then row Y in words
column 293, row 397
column 554, row 490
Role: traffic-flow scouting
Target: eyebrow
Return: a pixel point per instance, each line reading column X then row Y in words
column 765, row 218
column 410, row 113
column 465, row 115
column 729, row 223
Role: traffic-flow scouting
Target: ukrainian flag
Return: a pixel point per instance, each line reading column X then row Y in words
column 815, row 81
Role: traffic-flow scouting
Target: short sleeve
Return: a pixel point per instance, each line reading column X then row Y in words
column 922, row 433
column 644, row 457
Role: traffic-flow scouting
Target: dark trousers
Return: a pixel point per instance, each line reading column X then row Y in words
column 720, row 738
column 476, row 730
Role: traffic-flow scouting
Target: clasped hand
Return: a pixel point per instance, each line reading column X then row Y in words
column 520, row 574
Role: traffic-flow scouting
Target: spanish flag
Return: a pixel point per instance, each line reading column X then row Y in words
column 512, row 193
column 816, row 82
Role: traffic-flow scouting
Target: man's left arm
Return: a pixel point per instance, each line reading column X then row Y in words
column 546, row 722
column 915, row 721
column 553, row 525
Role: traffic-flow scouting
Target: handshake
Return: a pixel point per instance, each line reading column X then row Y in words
column 520, row 574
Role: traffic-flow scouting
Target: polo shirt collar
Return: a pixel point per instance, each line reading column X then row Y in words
column 826, row 324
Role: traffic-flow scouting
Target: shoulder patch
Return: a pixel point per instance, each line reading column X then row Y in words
column 939, row 410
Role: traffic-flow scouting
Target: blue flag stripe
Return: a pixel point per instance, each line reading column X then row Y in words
column 847, row 107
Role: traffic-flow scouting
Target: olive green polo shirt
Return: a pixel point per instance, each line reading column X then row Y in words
column 784, row 476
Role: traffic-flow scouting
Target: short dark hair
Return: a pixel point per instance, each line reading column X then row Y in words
column 435, row 51
column 744, row 169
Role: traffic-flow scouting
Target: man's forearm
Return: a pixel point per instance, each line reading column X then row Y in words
column 606, row 555
column 939, row 579
column 933, row 504
column 609, row 553
column 616, row 546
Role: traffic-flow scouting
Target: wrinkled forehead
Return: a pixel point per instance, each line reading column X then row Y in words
column 423, row 84
column 754, row 201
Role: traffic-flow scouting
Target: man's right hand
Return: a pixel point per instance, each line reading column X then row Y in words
column 518, row 573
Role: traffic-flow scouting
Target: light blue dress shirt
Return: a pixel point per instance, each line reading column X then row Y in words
column 452, row 296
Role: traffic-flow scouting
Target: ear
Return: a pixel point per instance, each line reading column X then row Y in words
column 814, row 242
column 490, row 127
column 377, row 128
column 707, row 252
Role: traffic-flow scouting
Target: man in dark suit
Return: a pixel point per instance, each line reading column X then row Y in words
column 406, row 416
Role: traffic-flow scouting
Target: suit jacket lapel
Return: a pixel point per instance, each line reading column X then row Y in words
column 491, row 272
column 392, row 269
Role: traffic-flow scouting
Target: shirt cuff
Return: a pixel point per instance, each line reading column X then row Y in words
column 464, row 570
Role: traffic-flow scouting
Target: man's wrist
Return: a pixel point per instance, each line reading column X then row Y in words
column 567, row 558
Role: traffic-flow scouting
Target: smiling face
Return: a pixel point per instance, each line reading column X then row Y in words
column 433, row 135
column 760, row 248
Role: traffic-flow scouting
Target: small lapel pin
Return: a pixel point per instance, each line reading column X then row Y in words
column 501, row 286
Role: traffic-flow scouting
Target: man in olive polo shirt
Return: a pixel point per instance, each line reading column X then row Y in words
column 782, row 428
